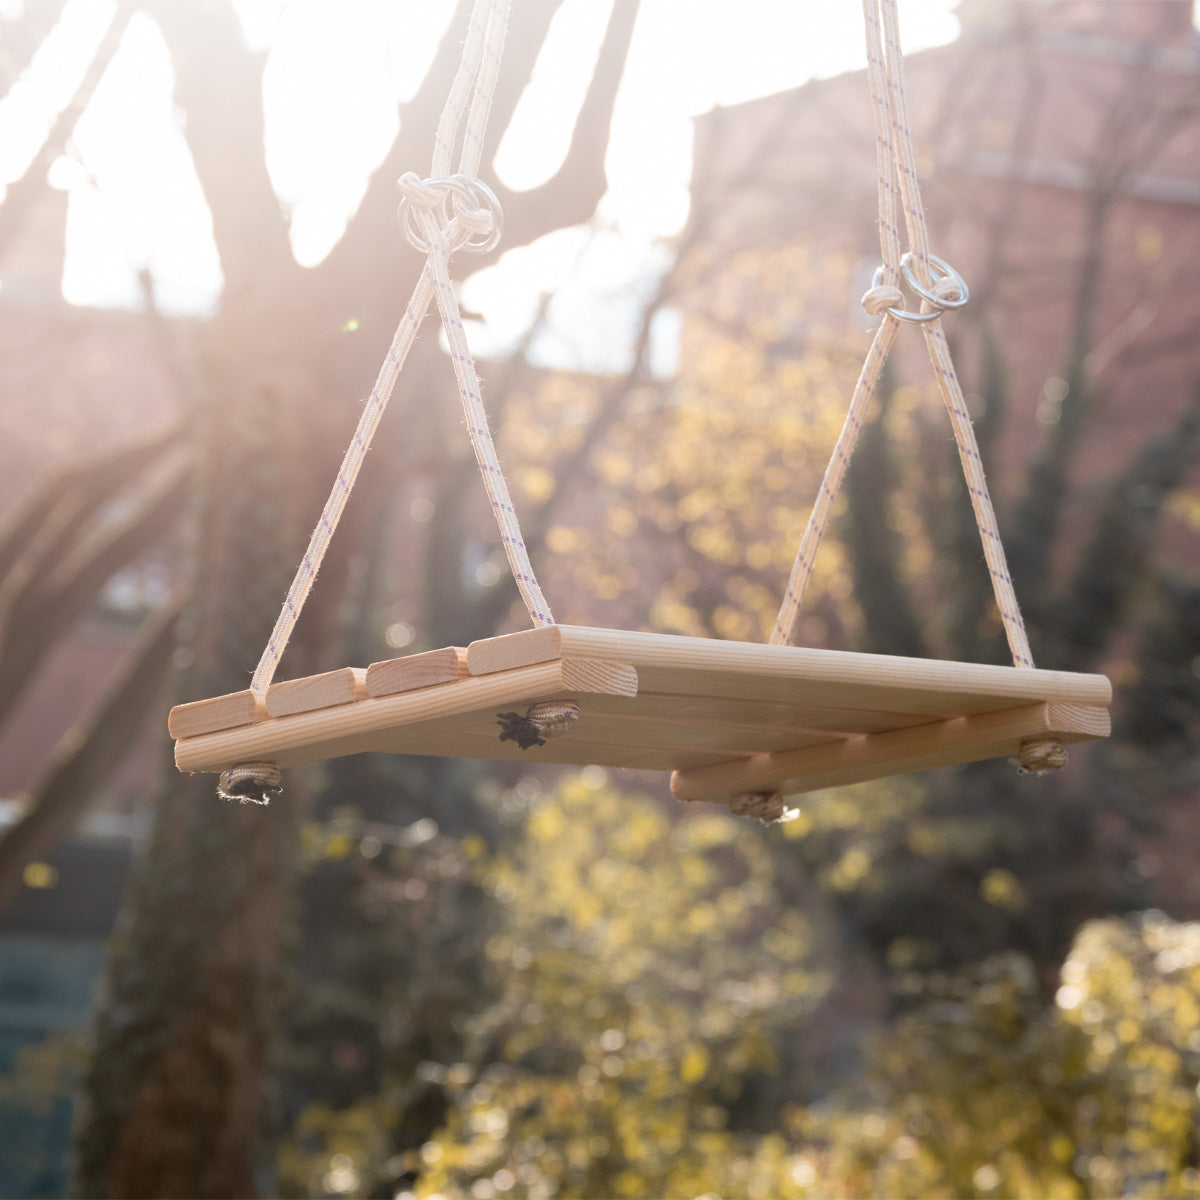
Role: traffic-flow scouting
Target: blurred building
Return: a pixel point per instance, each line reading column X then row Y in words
column 1059, row 149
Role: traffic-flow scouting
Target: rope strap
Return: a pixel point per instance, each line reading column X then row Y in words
column 439, row 215
column 939, row 288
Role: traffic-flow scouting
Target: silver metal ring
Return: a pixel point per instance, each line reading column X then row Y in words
column 458, row 193
column 942, row 270
column 484, row 197
column 902, row 314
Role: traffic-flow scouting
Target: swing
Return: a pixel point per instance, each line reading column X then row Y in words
column 739, row 723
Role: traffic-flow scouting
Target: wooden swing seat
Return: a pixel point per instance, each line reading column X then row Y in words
column 726, row 717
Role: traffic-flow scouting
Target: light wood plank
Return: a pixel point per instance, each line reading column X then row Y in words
column 353, row 728
column 735, row 710
column 481, row 743
column 524, row 649
column 799, row 674
column 417, row 671
column 343, row 686
column 596, row 728
column 937, row 744
column 219, row 712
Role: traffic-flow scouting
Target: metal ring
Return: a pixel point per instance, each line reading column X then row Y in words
column 902, row 314
column 942, row 270
column 460, row 189
column 483, row 197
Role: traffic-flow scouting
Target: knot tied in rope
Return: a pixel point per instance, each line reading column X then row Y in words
column 464, row 209
column 545, row 719
column 251, row 783
column 768, row 807
column 1040, row 755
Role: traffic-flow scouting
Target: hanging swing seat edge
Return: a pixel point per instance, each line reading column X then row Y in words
column 720, row 715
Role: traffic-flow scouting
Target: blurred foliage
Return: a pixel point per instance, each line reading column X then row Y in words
column 642, row 973
column 698, row 494
column 982, row 1089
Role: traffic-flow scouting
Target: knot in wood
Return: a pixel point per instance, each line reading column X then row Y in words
column 879, row 299
column 1039, row 755
column 250, row 783
column 545, row 719
column 766, row 806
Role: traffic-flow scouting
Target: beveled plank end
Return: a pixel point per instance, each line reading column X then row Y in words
column 215, row 714
column 343, row 686
column 511, row 650
column 415, row 671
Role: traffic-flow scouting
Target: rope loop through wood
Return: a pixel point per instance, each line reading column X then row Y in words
column 768, row 807
column 251, row 783
column 1040, row 755
column 545, row 719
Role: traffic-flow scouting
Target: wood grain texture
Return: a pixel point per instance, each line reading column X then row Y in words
column 795, row 674
column 872, row 756
column 416, row 671
column 373, row 724
column 220, row 712
column 511, row 650
column 343, row 686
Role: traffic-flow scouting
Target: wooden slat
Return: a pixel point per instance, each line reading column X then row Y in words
column 798, row 674
column 343, row 686
column 417, row 671
column 369, row 724
column 481, row 742
column 220, row 712
column 735, row 710
column 596, row 728
column 937, row 744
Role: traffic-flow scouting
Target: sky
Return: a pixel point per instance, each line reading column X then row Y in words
column 335, row 72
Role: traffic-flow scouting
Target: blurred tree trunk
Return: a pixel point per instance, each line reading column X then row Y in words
column 173, row 1099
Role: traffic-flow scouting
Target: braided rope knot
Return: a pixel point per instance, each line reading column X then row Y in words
column 768, row 807
column 948, row 291
column 882, row 297
column 462, row 199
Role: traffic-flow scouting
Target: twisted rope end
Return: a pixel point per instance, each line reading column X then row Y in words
column 250, row 783
column 546, row 719
column 768, row 807
column 878, row 300
column 1040, row 755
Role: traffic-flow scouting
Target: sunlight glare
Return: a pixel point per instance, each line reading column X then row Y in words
column 539, row 135
column 330, row 113
column 135, row 199
column 46, row 86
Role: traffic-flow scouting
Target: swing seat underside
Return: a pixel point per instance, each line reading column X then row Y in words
column 725, row 717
